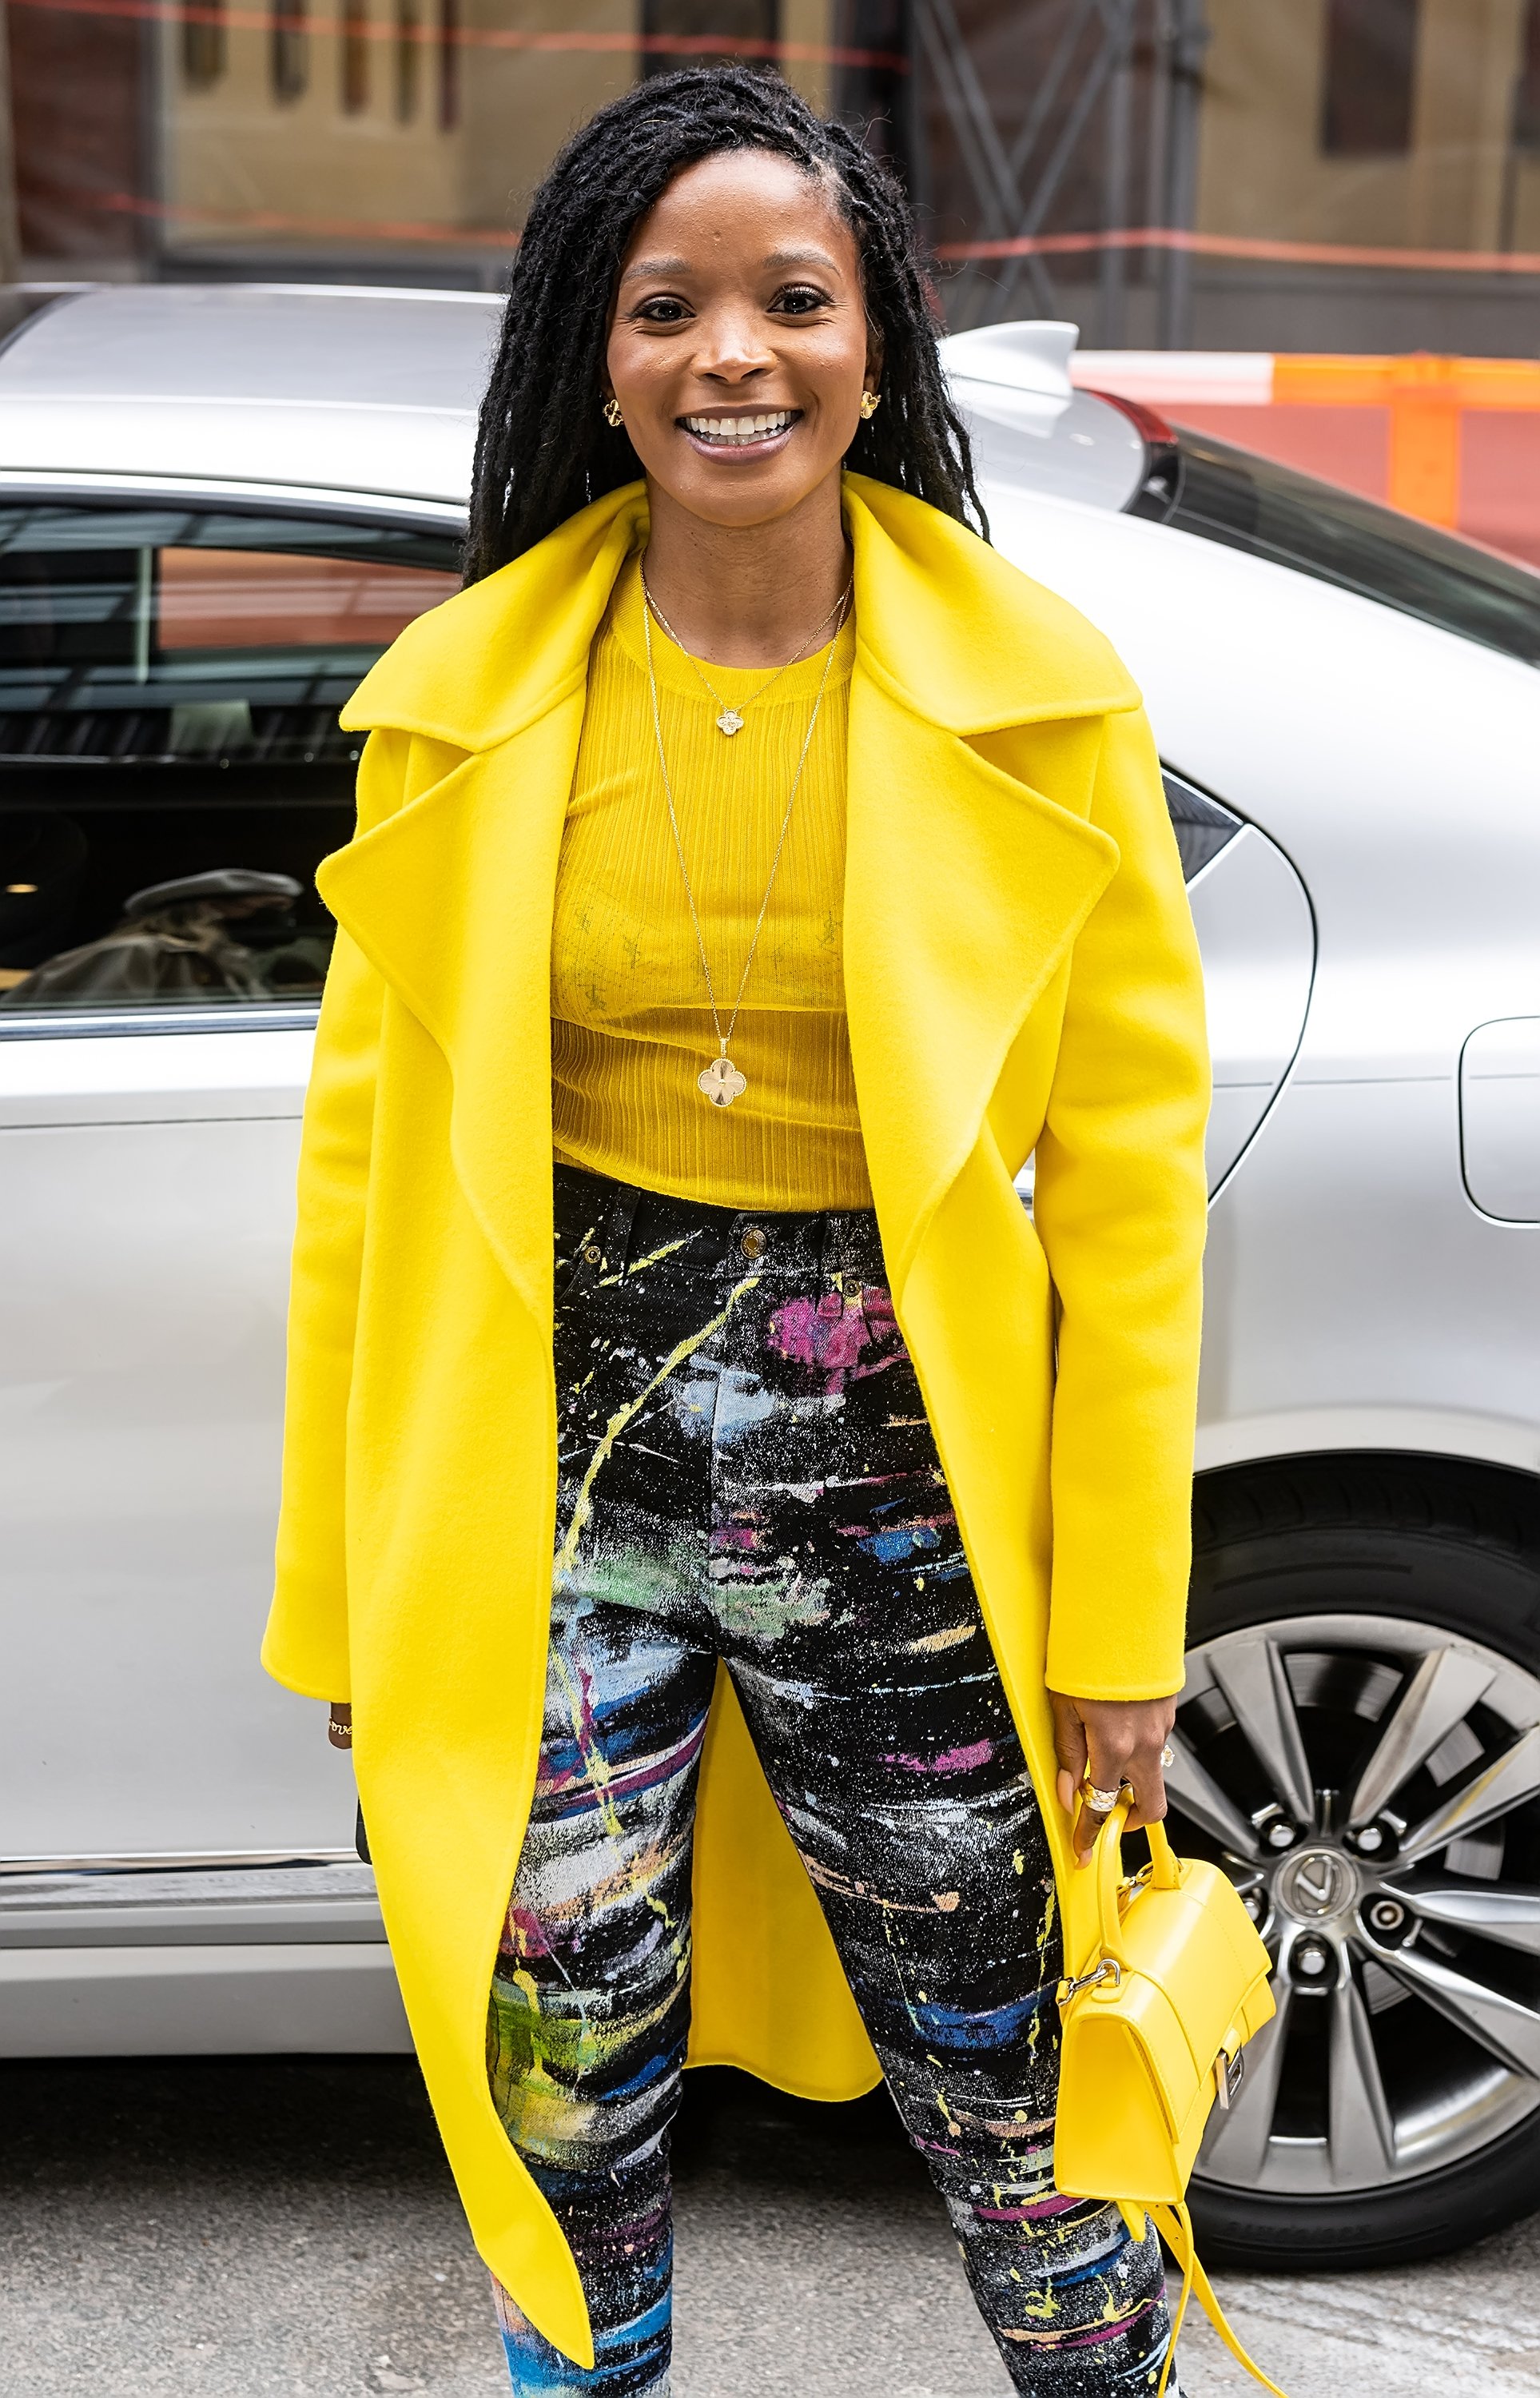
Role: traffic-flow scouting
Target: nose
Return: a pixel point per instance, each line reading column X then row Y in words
column 731, row 349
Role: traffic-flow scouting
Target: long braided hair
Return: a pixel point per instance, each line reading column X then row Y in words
column 542, row 448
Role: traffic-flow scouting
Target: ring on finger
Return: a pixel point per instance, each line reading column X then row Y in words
column 1100, row 1803
column 1167, row 1757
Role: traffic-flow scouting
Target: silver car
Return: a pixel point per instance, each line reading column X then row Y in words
column 215, row 507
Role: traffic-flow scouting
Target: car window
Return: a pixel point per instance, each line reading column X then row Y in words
column 1252, row 504
column 172, row 768
column 1201, row 825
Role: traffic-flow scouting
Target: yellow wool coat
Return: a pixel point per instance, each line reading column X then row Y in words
column 1021, row 974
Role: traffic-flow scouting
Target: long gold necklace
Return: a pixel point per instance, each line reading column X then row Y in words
column 731, row 720
column 722, row 1081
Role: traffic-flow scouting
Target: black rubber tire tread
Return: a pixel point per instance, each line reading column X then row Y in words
column 1442, row 1543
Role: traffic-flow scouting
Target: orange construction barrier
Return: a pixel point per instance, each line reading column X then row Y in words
column 1426, row 397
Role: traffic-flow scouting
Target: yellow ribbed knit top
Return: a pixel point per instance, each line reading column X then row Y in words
column 631, row 1026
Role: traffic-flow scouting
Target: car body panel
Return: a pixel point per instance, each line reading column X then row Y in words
column 371, row 392
column 142, row 1327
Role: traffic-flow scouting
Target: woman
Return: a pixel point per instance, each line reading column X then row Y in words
column 751, row 838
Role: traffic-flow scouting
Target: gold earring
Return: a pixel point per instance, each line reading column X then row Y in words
column 612, row 413
column 870, row 402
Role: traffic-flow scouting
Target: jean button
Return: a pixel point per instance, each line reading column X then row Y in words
column 593, row 1255
column 755, row 1243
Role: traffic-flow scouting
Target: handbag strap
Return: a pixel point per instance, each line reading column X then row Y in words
column 1107, row 1855
column 1175, row 2225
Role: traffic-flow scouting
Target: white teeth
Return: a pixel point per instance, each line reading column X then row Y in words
column 739, row 428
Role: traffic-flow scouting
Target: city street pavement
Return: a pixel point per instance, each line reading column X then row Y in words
column 254, row 2229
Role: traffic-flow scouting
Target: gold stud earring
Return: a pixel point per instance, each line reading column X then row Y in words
column 612, row 413
column 870, row 402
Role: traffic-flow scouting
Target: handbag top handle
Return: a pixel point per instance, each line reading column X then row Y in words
column 1165, row 1869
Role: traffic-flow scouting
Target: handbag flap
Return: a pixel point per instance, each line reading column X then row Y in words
column 1200, row 1948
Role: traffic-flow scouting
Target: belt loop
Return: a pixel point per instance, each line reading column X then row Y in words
column 609, row 1244
column 622, row 1218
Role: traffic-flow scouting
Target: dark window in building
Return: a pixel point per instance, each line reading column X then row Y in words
column 356, row 56
column 699, row 22
column 85, row 178
column 203, row 55
column 291, row 62
column 1369, row 71
column 409, row 59
column 1526, row 94
column 449, row 64
column 871, row 89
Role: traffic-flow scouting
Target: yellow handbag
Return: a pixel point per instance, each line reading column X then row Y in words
column 1155, row 2028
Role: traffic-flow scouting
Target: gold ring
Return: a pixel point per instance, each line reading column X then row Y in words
column 1101, row 1802
column 1167, row 1757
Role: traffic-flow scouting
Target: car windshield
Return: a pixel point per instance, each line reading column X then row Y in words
column 1250, row 503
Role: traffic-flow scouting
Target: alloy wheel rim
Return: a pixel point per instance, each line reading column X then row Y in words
column 1372, row 1784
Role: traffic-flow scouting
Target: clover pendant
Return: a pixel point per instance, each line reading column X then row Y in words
column 721, row 1082
column 729, row 720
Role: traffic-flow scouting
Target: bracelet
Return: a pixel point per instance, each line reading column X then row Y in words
column 343, row 1730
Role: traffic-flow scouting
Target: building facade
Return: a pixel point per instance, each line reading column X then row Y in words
column 1290, row 175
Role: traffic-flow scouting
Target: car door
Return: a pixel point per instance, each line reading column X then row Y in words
column 170, row 771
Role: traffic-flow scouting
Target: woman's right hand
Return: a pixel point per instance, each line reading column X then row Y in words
column 339, row 1724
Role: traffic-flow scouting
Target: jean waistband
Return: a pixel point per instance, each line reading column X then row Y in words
column 624, row 1224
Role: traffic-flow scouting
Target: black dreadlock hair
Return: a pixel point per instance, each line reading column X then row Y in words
column 544, row 450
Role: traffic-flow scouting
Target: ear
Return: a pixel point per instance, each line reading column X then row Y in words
column 874, row 355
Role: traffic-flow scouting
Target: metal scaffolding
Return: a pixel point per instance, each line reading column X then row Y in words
column 1120, row 85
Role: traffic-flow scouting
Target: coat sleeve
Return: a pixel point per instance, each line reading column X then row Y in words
column 1121, row 1205
column 306, row 1644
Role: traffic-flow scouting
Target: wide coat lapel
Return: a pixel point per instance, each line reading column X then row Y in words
column 452, row 897
column 964, row 886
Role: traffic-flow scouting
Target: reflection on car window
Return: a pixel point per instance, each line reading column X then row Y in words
column 1249, row 502
column 172, row 768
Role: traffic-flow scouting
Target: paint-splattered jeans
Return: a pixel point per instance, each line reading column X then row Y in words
column 747, row 1474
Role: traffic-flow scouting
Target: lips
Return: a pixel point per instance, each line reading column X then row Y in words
column 738, row 432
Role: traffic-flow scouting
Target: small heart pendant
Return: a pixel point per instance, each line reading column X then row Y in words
column 721, row 1082
column 729, row 722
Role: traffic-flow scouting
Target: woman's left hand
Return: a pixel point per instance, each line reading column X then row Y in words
column 1108, row 1742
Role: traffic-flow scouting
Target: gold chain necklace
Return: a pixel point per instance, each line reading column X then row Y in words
column 722, row 1081
column 731, row 720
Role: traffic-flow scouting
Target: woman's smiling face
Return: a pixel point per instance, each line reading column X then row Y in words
column 739, row 344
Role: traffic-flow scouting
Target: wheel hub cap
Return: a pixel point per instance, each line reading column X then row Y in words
column 1316, row 1883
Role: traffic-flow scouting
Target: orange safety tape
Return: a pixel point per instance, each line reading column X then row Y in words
column 1223, row 245
column 1416, row 381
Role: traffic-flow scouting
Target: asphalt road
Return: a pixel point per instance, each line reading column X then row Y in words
column 256, row 2230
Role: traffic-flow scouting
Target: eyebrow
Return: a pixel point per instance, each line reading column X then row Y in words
column 641, row 268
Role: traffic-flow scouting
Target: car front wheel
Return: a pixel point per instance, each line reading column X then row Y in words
column 1358, row 1743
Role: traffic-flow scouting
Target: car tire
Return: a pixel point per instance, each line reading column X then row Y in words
column 1352, row 1552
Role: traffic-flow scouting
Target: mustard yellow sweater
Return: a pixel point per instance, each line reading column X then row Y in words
column 631, row 1026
